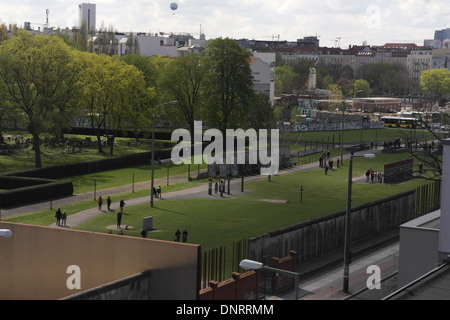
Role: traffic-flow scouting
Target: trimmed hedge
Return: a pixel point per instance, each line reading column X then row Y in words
column 35, row 185
column 23, row 190
column 87, row 167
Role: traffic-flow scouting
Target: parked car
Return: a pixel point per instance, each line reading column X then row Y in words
column 434, row 126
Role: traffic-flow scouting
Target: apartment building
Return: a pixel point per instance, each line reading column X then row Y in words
column 418, row 61
column 263, row 78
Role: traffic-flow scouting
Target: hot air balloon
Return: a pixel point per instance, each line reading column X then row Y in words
column 173, row 6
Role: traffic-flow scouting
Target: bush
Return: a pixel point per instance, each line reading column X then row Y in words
column 22, row 190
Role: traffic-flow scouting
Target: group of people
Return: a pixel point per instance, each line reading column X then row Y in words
column 61, row 218
column 108, row 203
column 371, row 175
column 327, row 163
column 100, row 202
column 178, row 234
column 157, row 192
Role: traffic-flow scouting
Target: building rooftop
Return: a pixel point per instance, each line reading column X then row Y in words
column 433, row 286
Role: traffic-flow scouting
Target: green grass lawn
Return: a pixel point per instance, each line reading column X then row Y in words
column 213, row 223
column 366, row 135
column 23, row 159
column 126, row 176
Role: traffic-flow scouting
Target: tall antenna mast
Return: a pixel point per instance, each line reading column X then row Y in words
column 47, row 11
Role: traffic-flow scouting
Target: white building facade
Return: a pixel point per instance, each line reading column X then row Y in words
column 87, row 13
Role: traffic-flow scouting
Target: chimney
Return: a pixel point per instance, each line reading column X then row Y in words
column 444, row 233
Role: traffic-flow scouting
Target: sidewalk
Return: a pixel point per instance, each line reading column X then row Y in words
column 328, row 284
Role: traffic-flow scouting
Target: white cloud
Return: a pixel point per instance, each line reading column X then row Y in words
column 291, row 19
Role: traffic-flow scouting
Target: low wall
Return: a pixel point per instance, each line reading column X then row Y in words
column 246, row 286
column 38, row 263
column 132, row 288
column 240, row 287
column 316, row 237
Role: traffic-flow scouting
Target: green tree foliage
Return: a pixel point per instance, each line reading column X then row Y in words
column 146, row 66
column 230, row 83
column 37, row 73
column 386, row 79
column 285, row 79
column 436, row 83
column 184, row 80
column 113, row 95
column 362, row 88
column 260, row 113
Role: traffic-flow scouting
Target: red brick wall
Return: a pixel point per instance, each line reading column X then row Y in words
column 246, row 286
column 281, row 282
column 239, row 287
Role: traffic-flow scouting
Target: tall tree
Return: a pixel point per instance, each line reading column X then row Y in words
column 93, row 84
column 284, row 79
column 145, row 65
column 183, row 80
column 362, row 88
column 435, row 83
column 230, row 83
column 113, row 95
column 130, row 101
column 35, row 70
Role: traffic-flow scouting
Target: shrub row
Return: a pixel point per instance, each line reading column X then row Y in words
column 160, row 135
column 35, row 185
column 23, row 190
column 87, row 167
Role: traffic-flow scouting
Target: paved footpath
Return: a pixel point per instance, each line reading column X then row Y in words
column 199, row 192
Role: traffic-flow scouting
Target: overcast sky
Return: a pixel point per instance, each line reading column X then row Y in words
column 335, row 22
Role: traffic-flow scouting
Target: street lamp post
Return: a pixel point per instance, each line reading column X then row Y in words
column 342, row 132
column 5, row 233
column 347, row 235
column 153, row 147
column 343, row 121
column 255, row 265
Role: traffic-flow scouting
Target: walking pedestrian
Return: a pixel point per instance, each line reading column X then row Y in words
column 58, row 216
column 337, row 163
column 177, row 235
column 326, row 169
column 320, row 162
column 185, row 234
column 64, row 218
column 121, row 204
column 367, row 175
column 158, row 191
column 100, row 203
column 119, row 219
column 108, row 202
